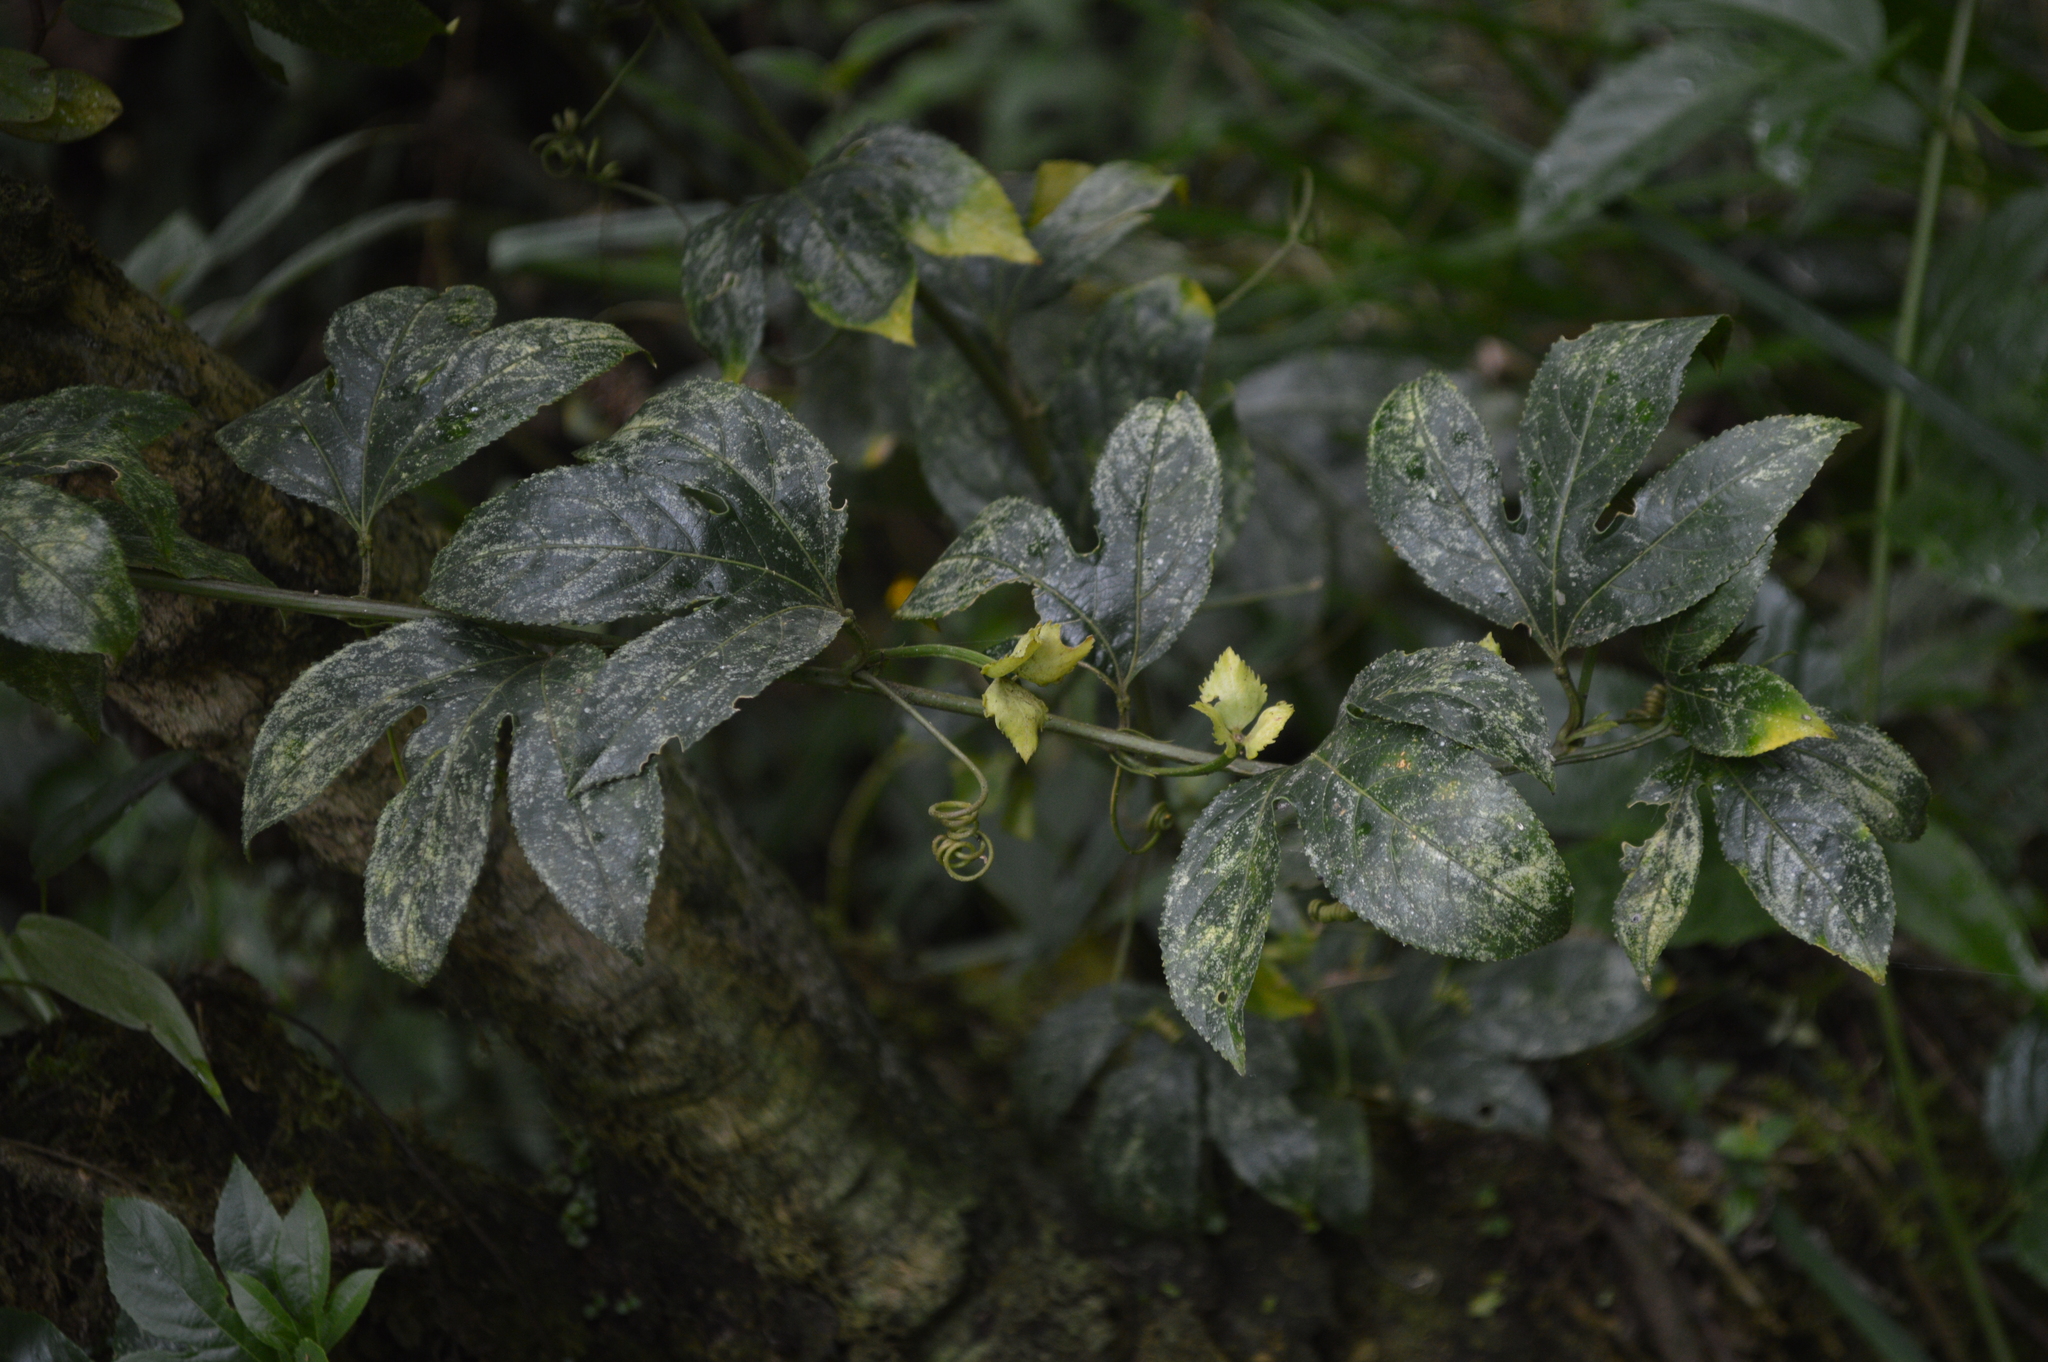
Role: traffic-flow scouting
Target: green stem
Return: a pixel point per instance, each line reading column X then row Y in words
column 1210, row 767
column 1960, row 1245
column 1115, row 739
column 683, row 13
column 366, row 550
column 939, row 650
column 354, row 609
column 1615, row 749
column 1905, row 340
column 1026, row 422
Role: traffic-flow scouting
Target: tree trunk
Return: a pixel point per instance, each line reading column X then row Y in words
column 736, row 1064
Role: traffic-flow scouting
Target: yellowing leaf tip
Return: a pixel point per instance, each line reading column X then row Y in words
column 1018, row 714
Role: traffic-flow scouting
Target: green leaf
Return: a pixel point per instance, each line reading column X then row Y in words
column 711, row 492
column 1736, row 710
column 1070, row 1045
column 31, row 1338
column 1423, row 839
column 2029, row 1241
column 1856, row 27
column 160, row 1278
column 261, row 1311
column 1595, row 406
column 1219, row 901
column 236, row 17
column 1144, row 1142
column 1270, row 1143
column 124, row 18
column 1696, row 633
column 420, row 382
column 965, row 445
column 71, row 834
column 167, row 548
column 245, row 1225
column 843, row 251
column 63, row 584
column 1157, row 494
column 598, row 851
column 380, row 32
column 1659, row 877
column 2016, row 1104
column 1866, row 772
column 890, row 32
column 1810, row 861
column 80, row 107
column 28, row 88
column 309, row 1351
column 1146, row 341
column 174, row 250
column 1467, row 694
column 346, row 1304
column 1566, row 998
column 1949, row 901
column 1110, row 203
column 723, row 287
column 1475, row 1089
column 92, row 972
column 72, row 684
column 1636, row 119
column 946, row 203
column 301, row 1263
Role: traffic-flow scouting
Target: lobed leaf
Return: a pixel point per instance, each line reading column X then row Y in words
column 1467, row 694
column 1157, row 498
column 1219, row 901
column 1428, row 843
column 724, row 288
column 419, row 382
column 63, row 583
column 1144, row 1142
column 1736, row 710
column 1693, row 635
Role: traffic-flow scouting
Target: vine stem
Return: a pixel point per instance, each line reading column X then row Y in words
column 683, row 13
column 1905, row 341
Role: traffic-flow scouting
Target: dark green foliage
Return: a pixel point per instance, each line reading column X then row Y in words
column 1217, row 906
column 1466, row 694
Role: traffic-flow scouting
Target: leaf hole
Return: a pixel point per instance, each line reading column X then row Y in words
column 709, row 500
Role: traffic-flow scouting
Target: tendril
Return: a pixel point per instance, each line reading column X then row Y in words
column 962, row 849
column 1157, row 820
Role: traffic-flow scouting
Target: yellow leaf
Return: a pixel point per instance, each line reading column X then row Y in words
column 983, row 223
column 1017, row 712
column 1039, row 657
column 1235, row 690
column 1267, row 728
column 895, row 324
column 1224, row 738
column 1196, row 299
column 1787, row 725
column 1490, row 644
column 1274, row 996
column 1053, row 182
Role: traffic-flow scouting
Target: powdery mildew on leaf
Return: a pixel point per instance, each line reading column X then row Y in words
column 1596, row 404
column 1690, row 637
column 1219, row 901
column 1157, row 495
column 419, row 383
column 1467, row 694
column 1868, row 773
column 1144, row 1141
column 965, row 445
column 63, row 583
column 1810, row 861
column 1427, row 842
column 598, row 851
column 1736, row 710
column 1658, row 877
column 724, row 289
column 841, row 247
column 946, row 203
column 1146, row 341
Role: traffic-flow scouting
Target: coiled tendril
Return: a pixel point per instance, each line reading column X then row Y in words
column 962, row 849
